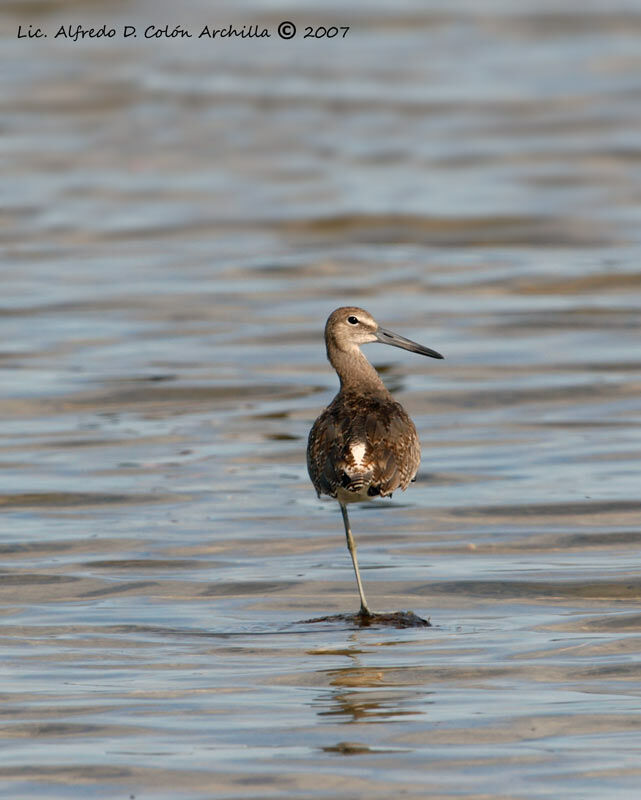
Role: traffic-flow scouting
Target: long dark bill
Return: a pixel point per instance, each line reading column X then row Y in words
column 389, row 337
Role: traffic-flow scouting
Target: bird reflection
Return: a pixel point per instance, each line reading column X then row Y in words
column 368, row 694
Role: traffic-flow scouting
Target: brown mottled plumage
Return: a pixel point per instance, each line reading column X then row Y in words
column 363, row 444
column 391, row 452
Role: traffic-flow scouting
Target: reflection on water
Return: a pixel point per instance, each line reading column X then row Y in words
column 350, row 698
column 181, row 218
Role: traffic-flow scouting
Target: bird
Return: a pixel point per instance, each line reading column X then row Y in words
column 364, row 444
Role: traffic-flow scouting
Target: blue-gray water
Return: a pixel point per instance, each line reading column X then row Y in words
column 179, row 219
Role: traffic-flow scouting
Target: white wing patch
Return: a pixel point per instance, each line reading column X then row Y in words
column 358, row 454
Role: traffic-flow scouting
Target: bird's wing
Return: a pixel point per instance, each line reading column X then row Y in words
column 371, row 448
column 393, row 448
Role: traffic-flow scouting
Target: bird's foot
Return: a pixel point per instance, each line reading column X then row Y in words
column 395, row 619
column 366, row 618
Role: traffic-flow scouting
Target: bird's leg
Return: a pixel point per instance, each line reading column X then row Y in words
column 351, row 546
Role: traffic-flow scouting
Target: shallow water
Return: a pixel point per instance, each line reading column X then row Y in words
column 181, row 218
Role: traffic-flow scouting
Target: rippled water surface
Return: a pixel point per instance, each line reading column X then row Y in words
column 180, row 218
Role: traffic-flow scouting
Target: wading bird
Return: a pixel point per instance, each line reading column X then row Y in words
column 364, row 444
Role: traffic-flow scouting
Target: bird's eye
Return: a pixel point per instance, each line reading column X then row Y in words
column 352, row 320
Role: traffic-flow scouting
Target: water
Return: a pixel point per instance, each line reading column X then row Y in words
column 181, row 217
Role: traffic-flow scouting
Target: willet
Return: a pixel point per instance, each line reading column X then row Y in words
column 364, row 444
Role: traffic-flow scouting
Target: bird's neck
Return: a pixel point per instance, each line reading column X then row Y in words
column 355, row 371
